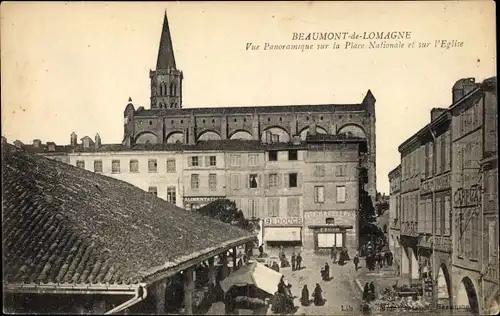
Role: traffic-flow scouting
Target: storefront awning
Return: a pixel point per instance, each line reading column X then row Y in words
column 282, row 233
column 256, row 274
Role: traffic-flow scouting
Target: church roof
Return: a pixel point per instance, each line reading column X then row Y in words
column 166, row 51
column 238, row 110
column 65, row 226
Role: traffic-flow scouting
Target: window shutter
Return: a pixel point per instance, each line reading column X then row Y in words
column 299, row 179
column 266, row 180
column 246, row 179
column 190, row 161
column 207, row 161
column 279, row 179
column 260, row 184
column 286, row 180
column 228, row 182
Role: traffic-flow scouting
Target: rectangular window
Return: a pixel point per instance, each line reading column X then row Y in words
column 152, row 165
column 422, row 209
column 428, row 216
column 273, row 209
column 341, row 194
column 293, row 207
column 80, row 164
column 195, row 181
column 438, row 153
column 98, row 166
column 273, row 155
column 431, row 159
column 493, row 242
column 235, row 160
column 134, row 165
column 319, row 171
column 253, row 208
column 115, row 166
column 273, row 180
column 443, row 152
column 153, row 190
column 212, row 182
column 194, row 161
column 171, row 195
column 253, row 181
column 253, row 160
column 319, row 194
column 170, row 165
column 292, row 154
column 438, row 212
column 475, row 240
column 340, row 170
column 213, row 161
column 292, row 180
column 447, row 213
column 236, row 181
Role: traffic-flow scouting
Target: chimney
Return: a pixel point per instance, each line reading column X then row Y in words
column 73, row 141
column 51, row 146
column 87, row 142
column 37, row 143
column 436, row 112
column 97, row 141
column 18, row 143
column 463, row 87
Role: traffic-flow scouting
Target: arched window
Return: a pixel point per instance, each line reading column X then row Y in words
column 172, row 88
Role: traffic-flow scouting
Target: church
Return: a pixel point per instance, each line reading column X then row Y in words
column 303, row 171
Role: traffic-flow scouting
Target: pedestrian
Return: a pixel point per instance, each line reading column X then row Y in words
column 304, row 299
column 334, row 254
column 293, row 261
column 326, row 272
column 372, row 290
column 261, row 251
column 281, row 285
column 317, row 296
column 356, row 262
column 299, row 262
column 366, row 292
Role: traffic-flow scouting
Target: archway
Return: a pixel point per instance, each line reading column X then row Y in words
column 405, row 262
column 241, row 135
column 146, row 137
column 175, row 137
column 209, row 135
column 319, row 130
column 352, row 130
column 467, row 297
column 281, row 133
column 443, row 286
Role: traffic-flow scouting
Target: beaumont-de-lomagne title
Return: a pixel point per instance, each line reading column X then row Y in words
column 355, row 40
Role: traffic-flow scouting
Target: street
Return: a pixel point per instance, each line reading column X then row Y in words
column 340, row 293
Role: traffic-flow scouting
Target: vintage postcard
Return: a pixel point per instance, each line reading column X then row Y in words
column 299, row 158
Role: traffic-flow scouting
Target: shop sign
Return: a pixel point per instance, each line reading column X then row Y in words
column 283, row 221
column 334, row 214
column 201, row 198
column 436, row 184
column 328, row 230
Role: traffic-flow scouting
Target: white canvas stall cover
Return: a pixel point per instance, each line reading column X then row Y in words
column 253, row 273
column 282, row 233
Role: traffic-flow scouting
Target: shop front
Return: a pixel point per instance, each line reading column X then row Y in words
column 197, row 202
column 285, row 231
column 341, row 218
column 327, row 236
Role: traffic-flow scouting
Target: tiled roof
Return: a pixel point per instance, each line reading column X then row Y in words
column 44, row 149
column 253, row 109
column 214, row 145
column 62, row 224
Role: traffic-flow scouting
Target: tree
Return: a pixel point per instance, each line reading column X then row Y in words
column 227, row 212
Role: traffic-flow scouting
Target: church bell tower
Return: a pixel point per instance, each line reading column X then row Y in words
column 166, row 80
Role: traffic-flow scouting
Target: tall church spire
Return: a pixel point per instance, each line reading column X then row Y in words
column 166, row 51
column 166, row 80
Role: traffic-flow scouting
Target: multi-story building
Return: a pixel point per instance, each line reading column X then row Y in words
column 395, row 214
column 449, row 211
column 489, row 167
column 280, row 164
column 472, row 104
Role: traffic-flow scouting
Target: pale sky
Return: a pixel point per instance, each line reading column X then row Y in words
column 72, row 66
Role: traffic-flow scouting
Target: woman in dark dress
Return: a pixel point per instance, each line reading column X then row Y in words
column 304, row 299
column 318, row 297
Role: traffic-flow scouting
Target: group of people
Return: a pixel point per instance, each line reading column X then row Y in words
column 342, row 255
column 317, row 296
column 296, row 261
column 378, row 260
